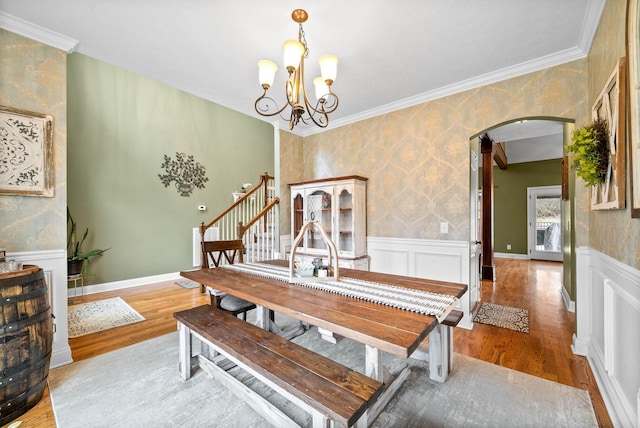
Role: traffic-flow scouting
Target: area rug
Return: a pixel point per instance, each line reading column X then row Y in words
column 187, row 283
column 503, row 316
column 140, row 386
column 100, row 315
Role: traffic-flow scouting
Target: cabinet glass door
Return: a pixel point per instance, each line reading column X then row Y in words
column 345, row 222
column 298, row 216
column 318, row 205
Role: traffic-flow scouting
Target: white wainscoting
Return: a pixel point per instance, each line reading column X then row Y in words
column 424, row 258
column 54, row 265
column 608, row 331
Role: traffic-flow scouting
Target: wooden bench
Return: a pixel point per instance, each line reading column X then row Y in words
column 328, row 390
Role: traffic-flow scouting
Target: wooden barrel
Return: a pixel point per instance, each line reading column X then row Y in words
column 26, row 336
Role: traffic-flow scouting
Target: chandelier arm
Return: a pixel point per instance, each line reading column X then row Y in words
column 265, row 112
column 320, row 123
column 322, row 110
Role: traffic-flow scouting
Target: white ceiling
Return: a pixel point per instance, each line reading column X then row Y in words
column 393, row 54
column 530, row 140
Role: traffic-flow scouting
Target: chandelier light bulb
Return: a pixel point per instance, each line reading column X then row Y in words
column 329, row 68
column 266, row 72
column 293, row 51
column 321, row 88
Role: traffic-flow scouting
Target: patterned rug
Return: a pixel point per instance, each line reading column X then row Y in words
column 503, row 316
column 100, row 315
column 139, row 386
column 187, row 283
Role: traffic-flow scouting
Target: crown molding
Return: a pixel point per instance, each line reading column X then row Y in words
column 590, row 25
column 538, row 64
column 37, row 33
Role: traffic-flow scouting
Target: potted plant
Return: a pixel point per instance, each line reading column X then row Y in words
column 77, row 260
column 591, row 152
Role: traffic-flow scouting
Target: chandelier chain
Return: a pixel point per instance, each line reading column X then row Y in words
column 302, row 39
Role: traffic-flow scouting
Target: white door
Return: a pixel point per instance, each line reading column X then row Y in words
column 474, row 242
column 544, row 219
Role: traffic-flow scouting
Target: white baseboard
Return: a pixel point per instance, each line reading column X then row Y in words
column 512, row 256
column 127, row 283
column 568, row 303
column 607, row 316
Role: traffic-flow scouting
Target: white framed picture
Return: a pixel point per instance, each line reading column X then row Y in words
column 26, row 153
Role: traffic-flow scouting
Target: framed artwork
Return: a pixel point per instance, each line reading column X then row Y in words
column 26, row 153
column 633, row 55
column 611, row 107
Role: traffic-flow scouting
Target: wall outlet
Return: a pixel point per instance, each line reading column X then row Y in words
column 508, row 246
column 444, row 227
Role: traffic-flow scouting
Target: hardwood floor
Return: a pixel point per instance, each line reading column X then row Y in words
column 544, row 352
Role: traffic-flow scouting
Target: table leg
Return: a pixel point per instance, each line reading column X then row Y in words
column 266, row 319
column 440, row 353
column 373, row 367
column 262, row 318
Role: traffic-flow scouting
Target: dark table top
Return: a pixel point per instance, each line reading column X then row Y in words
column 389, row 329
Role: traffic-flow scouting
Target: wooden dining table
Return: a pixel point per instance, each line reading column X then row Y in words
column 379, row 327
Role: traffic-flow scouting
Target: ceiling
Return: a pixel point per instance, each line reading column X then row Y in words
column 530, row 140
column 393, row 54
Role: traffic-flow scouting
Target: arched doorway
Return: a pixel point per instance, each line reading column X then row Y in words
column 526, row 144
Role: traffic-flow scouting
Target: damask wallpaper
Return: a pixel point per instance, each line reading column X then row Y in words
column 417, row 159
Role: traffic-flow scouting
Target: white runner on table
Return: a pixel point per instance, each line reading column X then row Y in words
column 423, row 302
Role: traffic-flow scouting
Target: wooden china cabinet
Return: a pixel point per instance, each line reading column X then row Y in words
column 339, row 204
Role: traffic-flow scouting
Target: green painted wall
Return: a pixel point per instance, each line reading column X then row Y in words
column 120, row 127
column 510, row 200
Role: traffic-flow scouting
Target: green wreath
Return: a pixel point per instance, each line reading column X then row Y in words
column 591, row 152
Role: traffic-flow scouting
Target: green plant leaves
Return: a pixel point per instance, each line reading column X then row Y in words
column 591, row 152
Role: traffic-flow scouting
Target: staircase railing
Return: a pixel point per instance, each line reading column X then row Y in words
column 251, row 218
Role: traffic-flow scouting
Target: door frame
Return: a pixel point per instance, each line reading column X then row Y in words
column 532, row 194
column 475, row 284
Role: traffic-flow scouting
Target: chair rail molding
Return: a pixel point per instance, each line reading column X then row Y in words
column 607, row 320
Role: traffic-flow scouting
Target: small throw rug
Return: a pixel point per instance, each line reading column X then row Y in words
column 100, row 315
column 140, row 386
column 503, row 316
column 187, row 283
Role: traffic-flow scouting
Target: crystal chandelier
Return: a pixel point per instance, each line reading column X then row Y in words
column 302, row 108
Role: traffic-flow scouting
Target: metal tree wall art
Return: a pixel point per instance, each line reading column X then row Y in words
column 185, row 171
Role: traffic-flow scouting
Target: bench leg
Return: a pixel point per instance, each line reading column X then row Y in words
column 321, row 421
column 375, row 369
column 184, row 334
column 440, row 353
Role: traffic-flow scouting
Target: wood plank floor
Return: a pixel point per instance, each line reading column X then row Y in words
column 544, row 352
